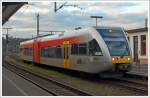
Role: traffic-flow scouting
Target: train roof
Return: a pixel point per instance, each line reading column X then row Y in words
column 68, row 33
column 61, row 35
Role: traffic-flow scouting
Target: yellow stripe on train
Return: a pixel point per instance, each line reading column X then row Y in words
column 121, row 59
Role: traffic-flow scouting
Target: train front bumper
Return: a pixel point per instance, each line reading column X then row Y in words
column 123, row 63
column 121, row 60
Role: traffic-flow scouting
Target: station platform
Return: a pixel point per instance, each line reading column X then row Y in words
column 14, row 85
column 139, row 69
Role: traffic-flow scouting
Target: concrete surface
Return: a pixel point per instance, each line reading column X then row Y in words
column 14, row 85
column 140, row 69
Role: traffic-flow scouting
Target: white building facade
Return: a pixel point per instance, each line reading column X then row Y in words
column 138, row 39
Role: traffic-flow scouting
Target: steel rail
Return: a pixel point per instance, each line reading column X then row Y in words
column 136, row 86
column 77, row 91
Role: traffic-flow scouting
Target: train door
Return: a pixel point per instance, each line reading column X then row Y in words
column 135, row 42
column 66, row 54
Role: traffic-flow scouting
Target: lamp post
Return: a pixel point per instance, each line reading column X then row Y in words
column 38, row 25
column 96, row 17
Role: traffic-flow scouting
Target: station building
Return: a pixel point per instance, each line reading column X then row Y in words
column 138, row 39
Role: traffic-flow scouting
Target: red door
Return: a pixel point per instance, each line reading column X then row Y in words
column 36, row 56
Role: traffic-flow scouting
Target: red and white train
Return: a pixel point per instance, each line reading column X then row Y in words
column 91, row 50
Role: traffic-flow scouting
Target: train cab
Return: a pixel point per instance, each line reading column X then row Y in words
column 116, row 40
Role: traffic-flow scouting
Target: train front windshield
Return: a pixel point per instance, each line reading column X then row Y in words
column 115, row 40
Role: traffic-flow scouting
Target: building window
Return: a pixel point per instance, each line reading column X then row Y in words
column 143, row 44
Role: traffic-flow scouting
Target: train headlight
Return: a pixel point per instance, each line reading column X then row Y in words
column 129, row 59
column 113, row 59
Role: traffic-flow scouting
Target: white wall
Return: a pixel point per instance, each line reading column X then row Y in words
column 130, row 35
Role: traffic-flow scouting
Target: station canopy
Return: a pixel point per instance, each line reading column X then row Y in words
column 9, row 8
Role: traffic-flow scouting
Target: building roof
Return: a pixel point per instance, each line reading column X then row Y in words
column 137, row 30
column 9, row 8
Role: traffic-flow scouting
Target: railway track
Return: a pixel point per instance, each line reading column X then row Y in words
column 131, row 84
column 141, row 88
column 48, row 84
column 136, row 85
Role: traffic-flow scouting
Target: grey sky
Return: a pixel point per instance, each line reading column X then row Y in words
column 128, row 15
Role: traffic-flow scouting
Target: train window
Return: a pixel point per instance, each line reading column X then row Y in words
column 94, row 48
column 58, row 52
column 111, row 33
column 83, row 45
column 41, row 52
column 52, row 52
column 44, row 51
column 82, row 49
column 20, row 49
column 28, row 51
column 74, row 49
column 24, row 52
